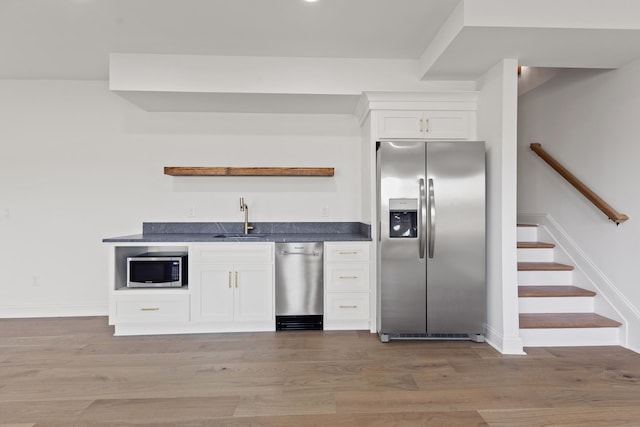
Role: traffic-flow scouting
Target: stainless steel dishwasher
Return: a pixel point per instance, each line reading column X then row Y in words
column 299, row 286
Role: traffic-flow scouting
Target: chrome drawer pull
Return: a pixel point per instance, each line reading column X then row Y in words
column 348, row 277
column 150, row 309
column 348, row 253
column 348, row 306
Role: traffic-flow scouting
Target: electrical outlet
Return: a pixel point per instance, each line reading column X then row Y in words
column 192, row 211
column 6, row 214
column 35, row 281
column 325, row 211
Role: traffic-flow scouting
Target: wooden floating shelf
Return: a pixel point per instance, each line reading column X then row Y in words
column 241, row 171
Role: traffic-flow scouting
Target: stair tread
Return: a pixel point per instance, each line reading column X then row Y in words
column 527, row 225
column 543, row 266
column 565, row 320
column 533, row 291
column 532, row 245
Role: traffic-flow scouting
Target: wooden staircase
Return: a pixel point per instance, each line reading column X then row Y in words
column 554, row 312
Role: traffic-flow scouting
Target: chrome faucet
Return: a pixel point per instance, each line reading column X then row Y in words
column 244, row 208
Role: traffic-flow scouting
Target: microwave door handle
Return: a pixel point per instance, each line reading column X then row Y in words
column 422, row 219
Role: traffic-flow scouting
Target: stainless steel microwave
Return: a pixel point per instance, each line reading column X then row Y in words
column 157, row 270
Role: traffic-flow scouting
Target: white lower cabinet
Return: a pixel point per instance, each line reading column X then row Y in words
column 232, row 286
column 230, row 289
column 347, row 287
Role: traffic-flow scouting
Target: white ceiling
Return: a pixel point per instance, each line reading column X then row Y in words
column 446, row 39
column 71, row 39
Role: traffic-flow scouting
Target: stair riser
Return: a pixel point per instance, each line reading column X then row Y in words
column 556, row 305
column 545, row 277
column 535, row 255
column 527, row 234
column 572, row 337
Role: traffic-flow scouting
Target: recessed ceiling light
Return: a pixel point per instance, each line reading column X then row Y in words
column 311, row 1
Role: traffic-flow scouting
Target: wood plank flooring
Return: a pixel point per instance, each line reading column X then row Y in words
column 73, row 372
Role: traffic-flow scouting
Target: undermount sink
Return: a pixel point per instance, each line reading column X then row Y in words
column 238, row 236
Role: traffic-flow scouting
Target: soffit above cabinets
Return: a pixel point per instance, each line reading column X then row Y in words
column 192, row 83
column 189, row 102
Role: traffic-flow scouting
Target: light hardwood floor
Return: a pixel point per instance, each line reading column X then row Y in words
column 73, row 372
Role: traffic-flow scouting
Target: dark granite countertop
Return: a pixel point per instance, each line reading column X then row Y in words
column 192, row 232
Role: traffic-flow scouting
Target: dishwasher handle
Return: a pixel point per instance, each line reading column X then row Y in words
column 300, row 253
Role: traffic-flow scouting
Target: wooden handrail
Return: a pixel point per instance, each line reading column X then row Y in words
column 611, row 213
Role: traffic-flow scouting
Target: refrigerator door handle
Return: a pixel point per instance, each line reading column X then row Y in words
column 432, row 220
column 422, row 219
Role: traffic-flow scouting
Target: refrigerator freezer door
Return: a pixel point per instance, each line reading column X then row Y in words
column 456, row 270
column 403, row 274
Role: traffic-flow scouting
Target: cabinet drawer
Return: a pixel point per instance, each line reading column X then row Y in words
column 152, row 308
column 344, row 305
column 347, row 252
column 219, row 253
column 347, row 277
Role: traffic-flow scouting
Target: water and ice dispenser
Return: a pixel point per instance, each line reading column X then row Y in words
column 403, row 218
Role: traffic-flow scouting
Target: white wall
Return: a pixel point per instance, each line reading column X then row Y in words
column 497, row 125
column 79, row 163
column 588, row 120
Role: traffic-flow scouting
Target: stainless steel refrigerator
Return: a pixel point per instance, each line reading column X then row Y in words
column 431, row 249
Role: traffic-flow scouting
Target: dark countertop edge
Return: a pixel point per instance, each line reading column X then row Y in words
column 193, row 232
column 209, row 238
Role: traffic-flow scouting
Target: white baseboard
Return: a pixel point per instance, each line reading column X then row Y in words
column 30, row 311
column 503, row 345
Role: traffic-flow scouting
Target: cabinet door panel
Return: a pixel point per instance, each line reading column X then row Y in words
column 216, row 293
column 400, row 124
column 254, row 292
column 447, row 124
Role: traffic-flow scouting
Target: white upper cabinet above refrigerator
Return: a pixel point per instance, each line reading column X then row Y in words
column 424, row 124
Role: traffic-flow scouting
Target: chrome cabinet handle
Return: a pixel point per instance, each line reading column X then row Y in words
column 426, row 125
column 421, row 124
column 348, row 306
column 432, row 219
column 348, row 252
column 348, row 277
column 422, row 216
column 237, row 281
column 229, row 280
column 150, row 309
